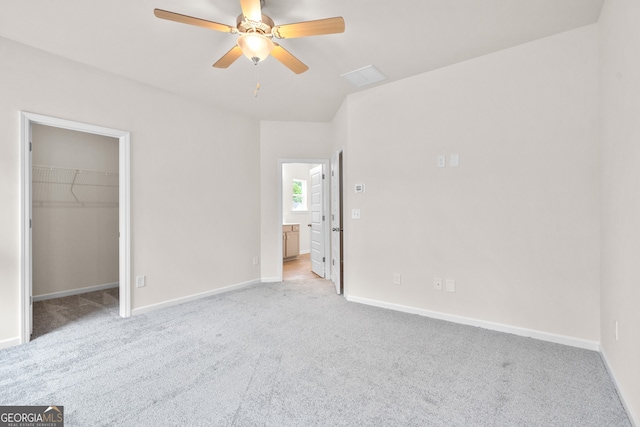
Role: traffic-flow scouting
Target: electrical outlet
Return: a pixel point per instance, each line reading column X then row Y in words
column 256, row 260
column 141, row 281
column 437, row 283
column 442, row 161
column 397, row 278
column 450, row 285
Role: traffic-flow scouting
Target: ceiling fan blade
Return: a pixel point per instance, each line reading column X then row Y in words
column 229, row 57
column 309, row 28
column 184, row 19
column 290, row 61
column 251, row 10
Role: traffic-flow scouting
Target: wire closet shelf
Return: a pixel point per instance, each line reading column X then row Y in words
column 56, row 186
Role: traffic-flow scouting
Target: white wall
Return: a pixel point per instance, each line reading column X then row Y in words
column 340, row 127
column 75, row 244
column 188, row 162
column 300, row 171
column 282, row 141
column 517, row 224
column 620, row 136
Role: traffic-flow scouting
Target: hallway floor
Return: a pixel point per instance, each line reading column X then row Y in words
column 298, row 268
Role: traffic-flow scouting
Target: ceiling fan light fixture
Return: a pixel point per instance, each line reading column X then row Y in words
column 255, row 46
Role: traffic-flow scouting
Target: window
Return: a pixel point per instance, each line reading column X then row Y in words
column 299, row 195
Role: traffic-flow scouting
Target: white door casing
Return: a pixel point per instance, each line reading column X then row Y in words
column 26, row 120
column 26, row 288
column 317, row 221
column 336, row 231
column 325, row 204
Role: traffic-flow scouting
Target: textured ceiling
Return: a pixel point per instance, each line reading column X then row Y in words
column 401, row 38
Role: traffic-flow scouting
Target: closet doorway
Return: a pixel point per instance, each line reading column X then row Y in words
column 75, row 239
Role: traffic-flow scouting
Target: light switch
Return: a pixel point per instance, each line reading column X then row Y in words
column 442, row 161
column 454, row 160
column 355, row 213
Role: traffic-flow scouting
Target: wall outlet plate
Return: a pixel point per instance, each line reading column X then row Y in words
column 397, row 278
column 450, row 285
column 141, row 281
column 359, row 188
column 437, row 283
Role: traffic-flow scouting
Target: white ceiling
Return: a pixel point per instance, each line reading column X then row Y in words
column 401, row 38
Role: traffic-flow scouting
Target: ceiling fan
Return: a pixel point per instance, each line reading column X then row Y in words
column 256, row 31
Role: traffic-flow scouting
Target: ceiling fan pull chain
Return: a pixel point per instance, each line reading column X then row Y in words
column 255, row 92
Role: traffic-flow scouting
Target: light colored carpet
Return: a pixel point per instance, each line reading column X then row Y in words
column 296, row 354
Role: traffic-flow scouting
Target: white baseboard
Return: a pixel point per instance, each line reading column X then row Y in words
column 75, row 291
column 181, row 300
column 271, row 280
column 305, row 252
column 635, row 421
column 529, row 333
column 10, row 342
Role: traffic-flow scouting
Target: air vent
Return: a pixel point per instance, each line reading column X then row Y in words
column 364, row 76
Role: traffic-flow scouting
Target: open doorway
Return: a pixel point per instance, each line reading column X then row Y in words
column 304, row 208
column 74, row 229
column 58, row 196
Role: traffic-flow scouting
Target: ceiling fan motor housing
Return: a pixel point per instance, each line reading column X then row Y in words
column 263, row 27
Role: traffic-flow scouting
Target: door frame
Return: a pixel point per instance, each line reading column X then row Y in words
column 338, row 193
column 326, row 165
column 27, row 119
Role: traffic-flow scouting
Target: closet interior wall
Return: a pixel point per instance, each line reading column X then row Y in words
column 74, row 211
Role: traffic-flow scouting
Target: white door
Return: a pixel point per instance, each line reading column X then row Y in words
column 317, row 221
column 336, row 231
